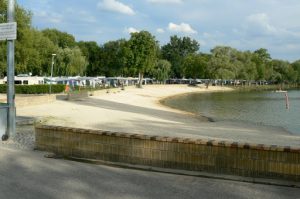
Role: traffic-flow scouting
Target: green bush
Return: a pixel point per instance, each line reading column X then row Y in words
column 34, row 89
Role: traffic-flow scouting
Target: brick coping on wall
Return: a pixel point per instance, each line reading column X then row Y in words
column 207, row 142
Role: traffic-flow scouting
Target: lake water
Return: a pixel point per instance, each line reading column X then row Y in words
column 261, row 108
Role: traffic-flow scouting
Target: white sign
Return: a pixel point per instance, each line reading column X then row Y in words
column 8, row 31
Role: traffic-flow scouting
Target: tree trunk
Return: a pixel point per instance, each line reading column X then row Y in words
column 207, row 83
column 140, row 80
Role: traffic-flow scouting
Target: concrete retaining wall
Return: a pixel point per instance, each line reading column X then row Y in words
column 175, row 153
column 84, row 94
column 77, row 95
column 30, row 100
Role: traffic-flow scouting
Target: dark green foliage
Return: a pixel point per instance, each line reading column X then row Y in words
column 296, row 67
column 162, row 70
column 115, row 56
column 222, row 64
column 143, row 53
column 92, row 52
column 177, row 50
column 283, row 72
column 61, row 39
column 195, row 66
column 34, row 89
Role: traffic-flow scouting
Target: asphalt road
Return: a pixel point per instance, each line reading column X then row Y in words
column 28, row 174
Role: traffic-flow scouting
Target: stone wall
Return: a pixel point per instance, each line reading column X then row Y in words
column 175, row 153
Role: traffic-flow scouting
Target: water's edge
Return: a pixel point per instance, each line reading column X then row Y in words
column 164, row 102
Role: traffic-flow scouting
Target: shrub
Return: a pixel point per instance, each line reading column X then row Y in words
column 34, row 89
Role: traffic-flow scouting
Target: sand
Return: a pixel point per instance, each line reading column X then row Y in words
column 139, row 111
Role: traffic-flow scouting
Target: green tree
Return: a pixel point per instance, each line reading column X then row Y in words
column 162, row 70
column 283, row 72
column 45, row 48
column 221, row 65
column 93, row 54
column 262, row 59
column 23, row 18
column 143, row 53
column 33, row 54
column 61, row 39
column 70, row 62
column 248, row 70
column 32, row 48
column 3, row 62
column 195, row 66
column 176, row 51
column 115, row 56
column 296, row 67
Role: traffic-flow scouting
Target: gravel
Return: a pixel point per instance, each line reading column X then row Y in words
column 24, row 138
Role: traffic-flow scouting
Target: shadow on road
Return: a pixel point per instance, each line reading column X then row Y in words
column 28, row 175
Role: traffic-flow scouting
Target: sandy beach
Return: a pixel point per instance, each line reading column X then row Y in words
column 139, row 111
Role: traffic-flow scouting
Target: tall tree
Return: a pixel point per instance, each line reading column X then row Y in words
column 262, row 60
column 70, row 62
column 61, row 39
column 221, row 65
column 115, row 56
column 143, row 48
column 93, row 54
column 195, row 66
column 162, row 70
column 248, row 70
column 23, row 18
column 296, row 67
column 35, row 54
column 176, row 51
column 283, row 71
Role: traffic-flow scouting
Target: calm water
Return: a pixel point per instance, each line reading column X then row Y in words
column 262, row 108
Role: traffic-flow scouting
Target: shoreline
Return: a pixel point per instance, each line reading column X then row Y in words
column 209, row 119
column 212, row 119
column 139, row 111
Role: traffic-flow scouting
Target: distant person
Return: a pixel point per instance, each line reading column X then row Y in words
column 67, row 89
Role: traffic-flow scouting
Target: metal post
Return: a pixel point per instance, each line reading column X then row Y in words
column 11, row 120
column 52, row 64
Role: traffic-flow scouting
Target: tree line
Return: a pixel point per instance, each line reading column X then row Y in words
column 141, row 55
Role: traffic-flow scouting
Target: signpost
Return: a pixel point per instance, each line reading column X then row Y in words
column 8, row 31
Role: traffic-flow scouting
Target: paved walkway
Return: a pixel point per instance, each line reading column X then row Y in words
column 28, row 174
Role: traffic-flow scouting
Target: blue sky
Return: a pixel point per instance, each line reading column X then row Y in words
column 242, row 24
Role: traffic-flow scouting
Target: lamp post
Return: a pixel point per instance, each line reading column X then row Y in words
column 52, row 64
column 11, row 115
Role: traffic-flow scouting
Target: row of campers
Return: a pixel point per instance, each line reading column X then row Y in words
column 101, row 81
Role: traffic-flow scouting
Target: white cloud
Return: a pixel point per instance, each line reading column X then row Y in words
column 50, row 17
column 131, row 30
column 82, row 15
column 211, row 39
column 116, row 6
column 183, row 27
column 260, row 25
column 261, row 22
column 160, row 30
column 86, row 16
column 165, row 1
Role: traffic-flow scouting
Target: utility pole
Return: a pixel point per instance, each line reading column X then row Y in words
column 52, row 64
column 11, row 119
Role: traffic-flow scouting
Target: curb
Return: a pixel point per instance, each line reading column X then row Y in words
column 263, row 181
